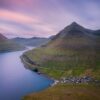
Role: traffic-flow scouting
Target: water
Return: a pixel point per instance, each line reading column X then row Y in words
column 15, row 80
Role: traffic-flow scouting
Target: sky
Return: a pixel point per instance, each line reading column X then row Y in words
column 44, row 18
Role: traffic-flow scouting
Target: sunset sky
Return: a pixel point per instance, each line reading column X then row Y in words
column 43, row 18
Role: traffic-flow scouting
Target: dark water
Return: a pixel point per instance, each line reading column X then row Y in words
column 15, row 80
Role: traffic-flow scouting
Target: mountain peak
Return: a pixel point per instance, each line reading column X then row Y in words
column 73, row 29
column 74, row 24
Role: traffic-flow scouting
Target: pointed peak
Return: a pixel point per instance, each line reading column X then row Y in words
column 74, row 24
column 73, row 28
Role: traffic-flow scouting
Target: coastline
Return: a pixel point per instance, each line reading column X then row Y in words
column 68, row 80
column 31, row 67
column 64, row 83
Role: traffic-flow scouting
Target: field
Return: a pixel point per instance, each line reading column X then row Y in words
column 67, row 92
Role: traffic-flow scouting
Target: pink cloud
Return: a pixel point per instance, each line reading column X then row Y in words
column 17, row 17
column 30, row 25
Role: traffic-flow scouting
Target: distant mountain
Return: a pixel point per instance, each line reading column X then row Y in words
column 34, row 41
column 7, row 45
column 73, row 51
column 2, row 37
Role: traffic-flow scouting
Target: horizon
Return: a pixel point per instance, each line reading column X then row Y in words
column 44, row 18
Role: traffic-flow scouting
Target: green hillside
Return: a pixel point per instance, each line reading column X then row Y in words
column 74, row 51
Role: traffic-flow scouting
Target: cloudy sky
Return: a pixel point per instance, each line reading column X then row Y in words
column 28, row 18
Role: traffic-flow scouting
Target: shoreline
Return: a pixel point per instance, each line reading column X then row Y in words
column 68, row 80
column 29, row 66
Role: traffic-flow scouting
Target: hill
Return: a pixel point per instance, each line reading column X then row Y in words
column 34, row 41
column 7, row 45
column 74, row 51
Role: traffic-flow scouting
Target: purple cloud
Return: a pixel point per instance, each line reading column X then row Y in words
column 46, row 17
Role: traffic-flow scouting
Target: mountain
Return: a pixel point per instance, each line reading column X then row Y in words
column 76, row 37
column 74, row 51
column 7, row 45
column 34, row 41
column 2, row 37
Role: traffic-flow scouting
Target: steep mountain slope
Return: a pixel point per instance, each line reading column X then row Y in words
column 7, row 45
column 35, row 41
column 74, row 51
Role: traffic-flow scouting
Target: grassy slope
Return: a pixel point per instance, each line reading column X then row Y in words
column 58, row 59
column 67, row 92
column 68, row 57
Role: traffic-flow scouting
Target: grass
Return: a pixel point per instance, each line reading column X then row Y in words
column 68, row 56
column 67, row 92
column 59, row 63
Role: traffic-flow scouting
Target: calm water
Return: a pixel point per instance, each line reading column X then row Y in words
column 15, row 80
